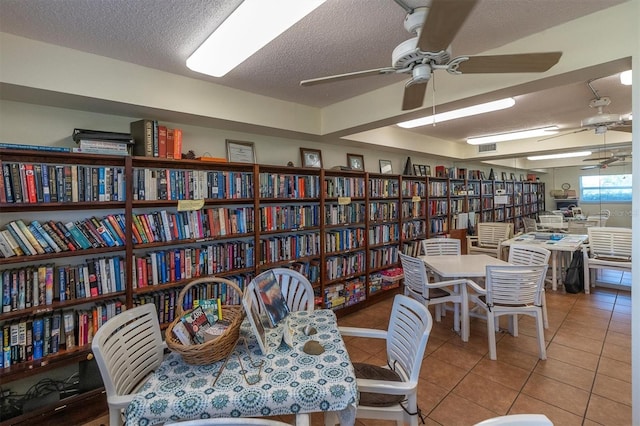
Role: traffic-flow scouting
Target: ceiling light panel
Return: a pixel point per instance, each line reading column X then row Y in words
column 563, row 155
column 523, row 134
column 459, row 113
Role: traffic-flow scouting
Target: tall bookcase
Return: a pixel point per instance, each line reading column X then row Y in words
column 187, row 218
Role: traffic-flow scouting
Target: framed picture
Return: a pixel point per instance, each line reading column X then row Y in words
column 513, row 176
column 504, row 175
column 416, row 170
column 522, row 177
column 311, row 157
column 423, row 170
column 427, row 171
column 355, row 162
column 241, row 152
column 385, row 167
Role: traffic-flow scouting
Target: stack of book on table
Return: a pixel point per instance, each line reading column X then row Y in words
column 105, row 143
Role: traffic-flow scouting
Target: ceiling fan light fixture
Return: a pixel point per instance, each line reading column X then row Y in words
column 459, row 113
column 523, row 134
column 248, row 29
column 562, row 155
column 626, row 78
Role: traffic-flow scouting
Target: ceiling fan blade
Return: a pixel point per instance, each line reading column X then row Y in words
column 444, row 20
column 414, row 95
column 589, row 167
column 622, row 129
column 347, row 76
column 523, row 62
column 563, row 134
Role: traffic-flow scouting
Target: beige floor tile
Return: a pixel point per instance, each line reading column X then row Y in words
column 525, row 404
column 441, row 373
column 581, row 331
column 617, row 316
column 500, row 372
column 522, row 343
column 619, row 339
column 608, row 412
column 496, row 397
column 572, row 356
column 614, row 389
column 622, row 309
column 619, row 353
column 517, row 358
column 457, row 356
column 616, row 369
column 620, row 327
column 554, row 392
column 583, row 343
column 566, row 373
column 429, row 396
column 455, row 411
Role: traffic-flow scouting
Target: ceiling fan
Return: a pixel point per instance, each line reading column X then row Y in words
column 606, row 158
column 434, row 27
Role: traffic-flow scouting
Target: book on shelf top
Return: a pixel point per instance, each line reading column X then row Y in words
column 34, row 147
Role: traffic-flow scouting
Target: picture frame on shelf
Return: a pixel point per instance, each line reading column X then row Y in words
column 522, row 178
column 355, row 162
column 423, row 170
column 241, row 151
column 513, row 176
column 427, row 170
column 504, row 175
column 416, row 170
column 311, row 158
column 386, row 167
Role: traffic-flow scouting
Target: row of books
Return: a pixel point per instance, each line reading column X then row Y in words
column 289, row 217
column 57, row 183
column 438, row 226
column 176, row 184
column 437, row 207
column 20, row 239
column 381, row 256
column 279, row 249
column 414, row 229
column 385, row 233
column 438, row 189
column 275, row 185
column 39, row 336
column 165, row 266
column 412, row 209
column 156, row 140
column 42, row 285
column 341, row 214
column 383, row 210
column 337, row 186
column 196, row 224
column 412, row 188
column 345, row 265
column 344, row 239
column 384, row 188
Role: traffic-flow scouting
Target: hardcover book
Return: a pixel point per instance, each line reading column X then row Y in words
column 271, row 299
column 196, row 323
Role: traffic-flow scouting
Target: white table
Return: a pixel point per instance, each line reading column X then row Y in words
column 568, row 243
column 462, row 266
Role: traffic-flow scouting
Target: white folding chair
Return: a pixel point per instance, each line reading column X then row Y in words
column 510, row 290
column 295, row 287
column 417, row 286
column 391, row 392
column 127, row 348
column 517, row 420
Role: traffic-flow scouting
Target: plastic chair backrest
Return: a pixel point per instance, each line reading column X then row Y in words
column 528, row 255
column 610, row 242
column 296, row 289
column 491, row 234
column 515, row 284
column 128, row 348
column 440, row 246
column 530, row 224
column 553, row 218
column 415, row 276
column 409, row 327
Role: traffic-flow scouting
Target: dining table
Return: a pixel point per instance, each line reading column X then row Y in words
column 454, row 266
column 554, row 242
column 286, row 380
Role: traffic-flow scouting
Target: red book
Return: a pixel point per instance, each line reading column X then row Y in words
column 31, row 183
column 170, row 143
column 162, row 141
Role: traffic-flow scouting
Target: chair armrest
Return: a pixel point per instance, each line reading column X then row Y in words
column 476, row 287
column 120, row 401
column 363, row 332
column 386, row 387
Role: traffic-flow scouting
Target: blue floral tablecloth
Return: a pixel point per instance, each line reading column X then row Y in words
column 290, row 381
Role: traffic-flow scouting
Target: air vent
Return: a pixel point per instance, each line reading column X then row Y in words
column 487, row 147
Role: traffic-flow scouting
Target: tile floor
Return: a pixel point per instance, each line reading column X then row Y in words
column 586, row 379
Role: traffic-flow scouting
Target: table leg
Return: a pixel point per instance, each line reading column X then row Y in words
column 456, row 312
column 464, row 332
column 554, row 264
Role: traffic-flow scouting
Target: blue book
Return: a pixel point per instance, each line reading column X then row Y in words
column 106, row 235
column 177, row 261
column 62, row 284
column 6, row 291
column 101, row 184
column 45, row 235
column 105, row 222
column 163, row 276
column 33, row 147
column 46, row 190
column 117, row 278
column 78, row 236
column 38, row 338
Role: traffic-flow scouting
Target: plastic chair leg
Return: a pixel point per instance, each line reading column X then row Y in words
column 491, row 331
column 541, row 343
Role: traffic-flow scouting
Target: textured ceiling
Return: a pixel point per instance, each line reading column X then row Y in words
column 340, row 36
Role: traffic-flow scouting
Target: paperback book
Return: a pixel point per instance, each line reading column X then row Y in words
column 271, row 299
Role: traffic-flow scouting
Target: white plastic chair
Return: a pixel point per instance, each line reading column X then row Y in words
column 295, row 287
column 440, row 246
column 510, row 290
column 409, row 327
column 127, row 348
column 517, row 420
column 301, row 420
column 489, row 238
column 530, row 255
column 552, row 221
column 580, row 226
column 530, row 224
column 418, row 287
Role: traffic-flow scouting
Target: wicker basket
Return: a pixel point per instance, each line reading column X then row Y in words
column 212, row 350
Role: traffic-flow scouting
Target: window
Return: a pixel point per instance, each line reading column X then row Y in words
column 605, row 189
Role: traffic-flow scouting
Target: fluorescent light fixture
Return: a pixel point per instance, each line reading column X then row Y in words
column 524, row 134
column 248, row 29
column 459, row 113
column 625, row 78
column 563, row 155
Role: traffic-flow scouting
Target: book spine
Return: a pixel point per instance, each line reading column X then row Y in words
column 30, row 183
column 177, row 144
column 8, row 186
column 5, row 247
column 53, row 188
column 64, row 235
column 16, row 183
column 37, row 173
column 78, row 237
column 55, row 237
column 40, row 239
column 30, row 237
column 46, row 189
column 142, row 133
column 21, row 239
column 33, row 147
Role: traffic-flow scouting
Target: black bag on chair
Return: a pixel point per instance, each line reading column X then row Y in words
column 574, row 276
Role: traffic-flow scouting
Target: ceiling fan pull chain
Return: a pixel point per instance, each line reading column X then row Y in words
column 433, row 98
